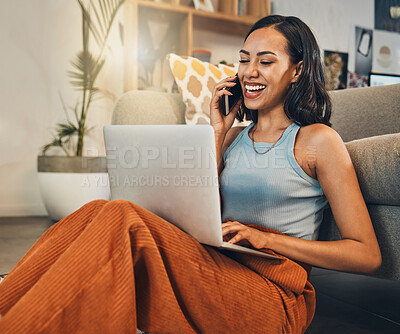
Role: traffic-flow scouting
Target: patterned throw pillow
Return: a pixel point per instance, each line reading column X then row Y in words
column 196, row 80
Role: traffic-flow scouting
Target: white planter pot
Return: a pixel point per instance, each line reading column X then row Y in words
column 63, row 190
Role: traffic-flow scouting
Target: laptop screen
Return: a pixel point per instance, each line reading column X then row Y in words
column 380, row 79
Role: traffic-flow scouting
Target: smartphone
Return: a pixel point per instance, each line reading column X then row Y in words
column 227, row 102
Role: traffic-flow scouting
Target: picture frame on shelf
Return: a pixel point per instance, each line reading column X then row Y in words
column 203, row 5
column 364, row 42
column 335, row 69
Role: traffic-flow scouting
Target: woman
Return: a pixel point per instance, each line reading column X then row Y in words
column 284, row 95
column 112, row 266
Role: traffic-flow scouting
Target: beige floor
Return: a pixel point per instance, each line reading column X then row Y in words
column 17, row 235
column 346, row 303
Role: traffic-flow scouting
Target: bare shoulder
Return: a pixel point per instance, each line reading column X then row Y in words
column 319, row 136
column 326, row 144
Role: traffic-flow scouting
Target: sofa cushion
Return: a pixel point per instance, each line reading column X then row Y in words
column 385, row 221
column 196, row 80
column 377, row 164
column 148, row 107
column 365, row 112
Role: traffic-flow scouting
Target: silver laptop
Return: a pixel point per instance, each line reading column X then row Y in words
column 170, row 170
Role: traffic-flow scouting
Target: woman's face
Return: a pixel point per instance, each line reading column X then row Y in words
column 265, row 70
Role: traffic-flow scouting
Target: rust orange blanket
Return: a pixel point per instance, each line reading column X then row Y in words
column 111, row 267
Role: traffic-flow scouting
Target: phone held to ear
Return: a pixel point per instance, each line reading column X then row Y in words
column 227, row 102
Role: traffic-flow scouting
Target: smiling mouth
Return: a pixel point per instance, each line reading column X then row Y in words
column 253, row 91
column 254, row 87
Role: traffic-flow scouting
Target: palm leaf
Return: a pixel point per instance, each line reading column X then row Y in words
column 97, row 20
column 101, row 28
column 87, row 24
column 105, row 12
column 96, row 70
column 86, row 70
column 75, row 110
column 64, row 106
column 61, row 142
column 55, row 143
column 66, row 130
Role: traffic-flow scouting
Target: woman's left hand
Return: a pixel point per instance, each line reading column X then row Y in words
column 237, row 233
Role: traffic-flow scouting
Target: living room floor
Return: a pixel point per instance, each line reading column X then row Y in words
column 346, row 303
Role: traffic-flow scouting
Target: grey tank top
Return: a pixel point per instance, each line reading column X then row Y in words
column 271, row 189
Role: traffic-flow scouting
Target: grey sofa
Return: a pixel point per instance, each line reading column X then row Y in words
column 368, row 119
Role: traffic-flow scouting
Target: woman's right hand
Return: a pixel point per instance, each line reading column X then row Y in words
column 219, row 122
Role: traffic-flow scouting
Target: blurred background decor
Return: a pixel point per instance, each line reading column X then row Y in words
column 204, row 5
column 363, row 50
column 157, row 37
column 70, row 180
column 387, row 15
column 335, row 70
column 97, row 20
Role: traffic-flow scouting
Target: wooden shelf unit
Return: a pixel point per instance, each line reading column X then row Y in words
column 186, row 20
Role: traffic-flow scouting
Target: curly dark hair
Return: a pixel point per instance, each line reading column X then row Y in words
column 307, row 101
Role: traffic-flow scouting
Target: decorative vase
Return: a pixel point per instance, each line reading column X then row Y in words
column 67, row 183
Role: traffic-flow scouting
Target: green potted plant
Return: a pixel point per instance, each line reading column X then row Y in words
column 71, row 180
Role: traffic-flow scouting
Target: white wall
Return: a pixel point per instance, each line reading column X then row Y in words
column 40, row 37
column 332, row 22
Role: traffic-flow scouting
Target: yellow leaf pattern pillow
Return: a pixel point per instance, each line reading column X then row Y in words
column 196, row 80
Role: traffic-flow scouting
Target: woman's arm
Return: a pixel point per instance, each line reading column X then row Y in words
column 358, row 251
column 224, row 133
